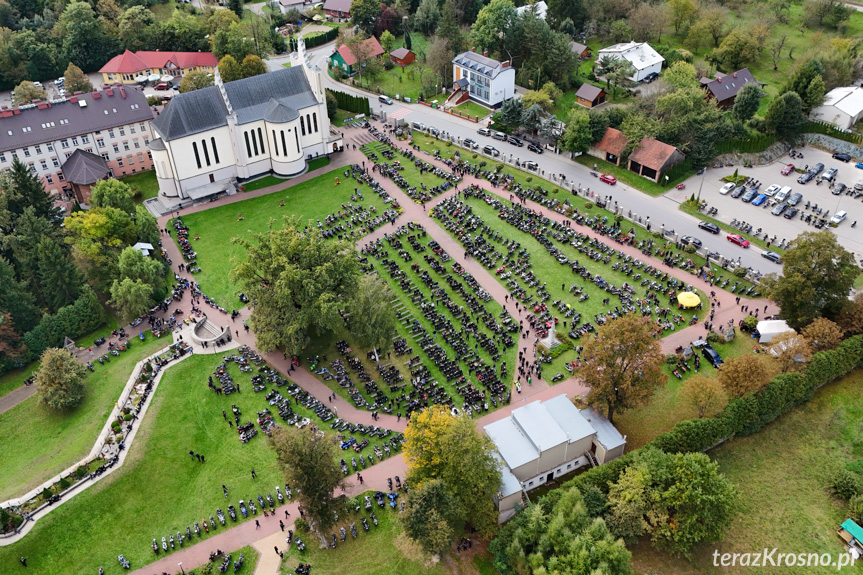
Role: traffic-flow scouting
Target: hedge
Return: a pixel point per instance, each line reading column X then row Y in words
column 351, row 103
column 316, row 40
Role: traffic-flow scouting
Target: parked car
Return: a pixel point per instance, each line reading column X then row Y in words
column 530, row 165
column 434, row 131
column 759, row 199
column 787, row 169
column 491, row 151
column 709, row 226
column 838, row 218
column 838, row 189
column 830, row 174
column 772, row 190
column 772, row 256
column 727, row 188
column 162, row 86
column 385, row 100
column 749, row 195
column 686, row 240
column 59, row 81
column 790, row 213
column 795, row 199
column 859, row 186
column 859, row 165
column 515, row 141
column 782, row 194
column 780, row 207
column 738, row 191
column 738, row 239
column 499, row 136
column 712, row 356
column 419, row 126
column 534, row 148
column 650, row 77
column 470, row 144
column 608, row 179
column 484, row 132
column 805, row 178
column 816, row 169
column 842, row 157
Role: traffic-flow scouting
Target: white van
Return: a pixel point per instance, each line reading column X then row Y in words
column 385, row 100
column 782, row 194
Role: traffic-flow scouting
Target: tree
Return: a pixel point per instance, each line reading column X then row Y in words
column 576, row 137
column 131, row 298
column 648, row 20
column 10, row 341
column 112, row 193
column 195, row 81
column 229, row 69
column 17, row 300
column 373, row 320
column 147, row 229
column 425, row 517
column 361, row 52
column 683, row 13
column 620, row 31
column 253, row 66
column 388, row 21
column 790, row 350
column 531, row 118
column 830, row 13
column 60, row 380
column 620, row 75
column 746, row 103
column 850, row 318
column 493, row 25
column 785, row 115
column 85, row 38
column 703, row 394
column 97, row 236
column 817, row 275
column 387, row 41
column 364, row 13
column 236, row 6
column 23, row 190
column 814, row 95
column 439, row 58
column 427, row 17
column 57, row 273
column 299, row 281
column 743, row 375
column 134, row 27
column 822, row 334
column 537, row 98
column 680, row 75
column 452, row 450
column 737, row 48
column 776, row 50
column 332, row 105
column 309, row 461
column 510, row 112
column 710, row 26
column 449, row 27
column 623, row 365
column 76, row 80
column 27, row 91
column 134, row 265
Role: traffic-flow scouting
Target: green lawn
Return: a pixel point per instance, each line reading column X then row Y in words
column 310, row 200
column 45, row 442
column 407, row 82
column 471, row 108
column 632, row 179
column 286, row 65
column 15, row 379
column 144, row 184
column 318, row 163
column 858, row 283
column 264, row 182
column 782, row 474
column 341, row 116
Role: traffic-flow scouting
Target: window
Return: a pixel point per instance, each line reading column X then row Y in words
column 32, row 166
column 74, row 141
column 56, row 162
column 100, row 142
column 248, row 146
column 150, row 154
column 38, row 149
column 50, row 147
column 141, row 125
column 254, row 143
column 215, row 150
column 116, row 148
column 126, row 146
column 146, row 141
column 122, row 131
column 120, row 162
column 275, row 144
column 137, row 145
column 110, row 133
column 64, row 144
column 14, row 154
column 85, row 139
column 106, row 157
column 44, row 164
column 27, row 129
column 309, row 122
column 261, row 140
column 68, row 154
column 26, row 152
column 206, row 151
column 131, row 160
column 141, row 158
column 49, row 179
column 530, row 483
column 62, row 122
column 197, row 157
column 315, row 118
column 2, row 157
column 60, row 177
column 297, row 137
column 302, row 125
column 131, row 129
column 284, row 145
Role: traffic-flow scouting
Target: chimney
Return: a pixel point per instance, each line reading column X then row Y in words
column 123, row 93
column 485, row 53
column 504, row 64
column 97, row 95
column 109, row 92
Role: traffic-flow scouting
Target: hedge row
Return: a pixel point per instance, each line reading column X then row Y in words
column 744, row 415
column 316, row 40
column 351, row 103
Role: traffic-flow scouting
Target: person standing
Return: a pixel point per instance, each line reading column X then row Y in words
column 282, row 524
column 254, row 475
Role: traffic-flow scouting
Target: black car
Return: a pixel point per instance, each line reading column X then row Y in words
column 790, row 213
column 515, row 141
column 534, row 148
column 842, row 157
column 686, row 240
column 530, row 165
column 838, row 189
column 816, row 169
column 749, row 196
column 709, row 226
column 772, row 256
column 805, row 178
column 738, row 191
column 779, row 209
column 795, row 199
column 712, row 356
column 650, row 77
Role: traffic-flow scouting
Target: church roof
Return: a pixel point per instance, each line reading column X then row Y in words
column 278, row 113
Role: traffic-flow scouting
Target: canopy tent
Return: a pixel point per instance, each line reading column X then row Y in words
column 770, row 328
column 166, row 79
column 140, row 79
column 153, row 77
column 688, row 299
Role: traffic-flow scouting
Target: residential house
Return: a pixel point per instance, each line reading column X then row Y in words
column 842, row 107
column 286, row 6
column 580, row 50
column 338, row 10
column 344, row 59
column 643, row 58
column 131, row 67
column 652, row 158
column 589, row 95
column 486, row 80
column 113, row 124
column 207, row 140
column 82, row 170
column 724, row 87
column 402, row 57
column 538, row 8
column 543, row 441
column 610, row 147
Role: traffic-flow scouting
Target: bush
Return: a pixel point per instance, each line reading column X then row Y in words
column 483, row 164
column 594, row 500
column 713, row 337
column 115, row 425
column 81, row 472
column 388, row 64
column 529, row 179
column 301, row 526
column 855, row 509
column 671, row 358
column 474, row 156
column 845, row 484
column 46, row 493
column 128, row 417
column 750, row 322
column 690, row 249
column 63, row 484
column 588, row 205
column 154, row 100
column 498, row 168
column 740, row 271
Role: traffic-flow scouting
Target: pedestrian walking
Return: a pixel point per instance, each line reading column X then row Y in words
column 23, row 561
column 192, row 454
column 287, row 514
column 257, row 524
column 254, row 475
column 225, row 489
column 282, row 524
column 224, row 415
column 276, row 547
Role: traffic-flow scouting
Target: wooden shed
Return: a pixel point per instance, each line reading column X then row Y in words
column 402, row 57
column 589, row 96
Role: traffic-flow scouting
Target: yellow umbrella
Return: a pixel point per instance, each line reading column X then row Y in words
column 688, row 299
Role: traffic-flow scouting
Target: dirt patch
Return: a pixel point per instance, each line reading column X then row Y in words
column 408, row 548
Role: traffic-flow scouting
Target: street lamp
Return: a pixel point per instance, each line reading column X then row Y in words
column 180, row 564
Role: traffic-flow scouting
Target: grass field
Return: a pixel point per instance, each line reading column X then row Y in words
column 630, row 178
column 782, row 474
column 473, row 109
column 41, row 443
column 310, row 200
column 144, row 184
column 15, row 379
column 341, row 116
column 407, row 82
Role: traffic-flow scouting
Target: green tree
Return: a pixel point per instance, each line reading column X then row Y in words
column 429, row 515
column 510, row 112
column 76, row 80
column 112, row 193
column 711, row 26
column 132, row 264
column 785, row 115
column 850, row 319
column 60, row 380
column 364, row 13
column 427, row 16
column 134, row 27
column 21, row 190
column 373, row 319
column 817, row 275
column 131, row 298
column 683, row 13
column 746, row 103
column 229, row 69
column 531, row 118
column 493, row 23
column 681, row 75
column 299, row 281
column 623, row 365
column 822, row 334
column 332, row 106
column 619, row 31
column 439, row 58
column 236, row 6
column 17, row 300
column 829, row 13
column 387, row 41
column 705, row 395
column 736, row 49
column 97, row 236
column 145, row 223
column 195, row 81
column 744, row 375
column 576, row 137
column 27, row 91
column 85, row 38
column 308, row 459
column 253, row 66
column 814, row 95
column 449, row 27
column 561, row 10
column 537, row 98
column 648, row 20
column 58, row 275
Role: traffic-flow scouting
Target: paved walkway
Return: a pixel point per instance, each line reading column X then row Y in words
column 16, row 396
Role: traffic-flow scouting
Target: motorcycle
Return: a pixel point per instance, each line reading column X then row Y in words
column 164, row 544
column 232, row 512
column 155, row 546
column 220, row 515
column 279, row 495
column 680, row 186
column 300, row 545
column 123, row 562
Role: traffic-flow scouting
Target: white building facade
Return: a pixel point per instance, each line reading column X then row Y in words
column 488, row 81
column 842, row 107
column 643, row 58
column 210, row 139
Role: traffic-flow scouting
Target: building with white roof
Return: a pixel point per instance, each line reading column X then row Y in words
column 544, row 440
column 645, row 59
column 484, row 79
column 842, row 107
column 538, row 8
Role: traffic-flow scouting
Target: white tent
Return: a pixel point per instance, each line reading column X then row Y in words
column 770, row 328
column 144, row 248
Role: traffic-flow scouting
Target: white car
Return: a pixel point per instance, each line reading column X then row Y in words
column 838, row 218
column 771, row 191
column 727, row 188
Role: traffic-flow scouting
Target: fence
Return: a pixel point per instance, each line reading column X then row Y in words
column 813, row 127
column 751, row 145
column 315, row 40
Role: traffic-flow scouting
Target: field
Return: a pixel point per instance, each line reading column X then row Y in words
column 782, row 474
column 144, row 184
column 472, row 109
column 622, row 174
column 407, row 82
column 41, row 443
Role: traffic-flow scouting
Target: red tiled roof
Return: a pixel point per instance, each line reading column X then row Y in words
column 372, row 45
column 131, row 62
column 613, row 142
column 653, row 153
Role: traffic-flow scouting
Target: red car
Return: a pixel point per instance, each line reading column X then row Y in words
column 162, row 86
column 738, row 239
column 787, row 169
column 608, row 179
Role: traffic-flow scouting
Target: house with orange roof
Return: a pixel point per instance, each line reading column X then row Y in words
column 130, row 67
column 344, row 59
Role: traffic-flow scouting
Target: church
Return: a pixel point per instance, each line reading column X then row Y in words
column 210, row 140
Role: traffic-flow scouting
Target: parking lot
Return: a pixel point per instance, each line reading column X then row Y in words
column 95, row 79
column 820, row 195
